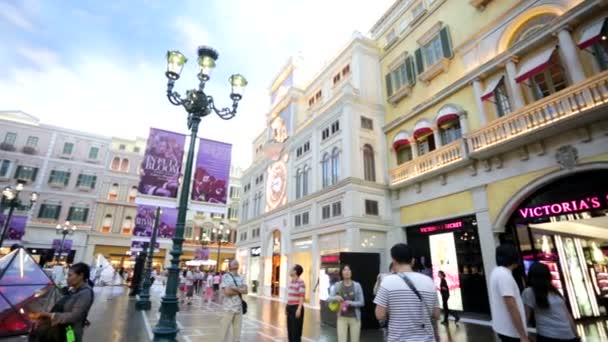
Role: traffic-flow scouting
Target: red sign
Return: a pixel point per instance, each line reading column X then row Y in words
column 442, row 226
column 582, row 204
column 330, row 259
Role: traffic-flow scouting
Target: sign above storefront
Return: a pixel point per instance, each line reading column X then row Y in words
column 565, row 207
column 256, row 251
column 330, row 259
column 442, row 226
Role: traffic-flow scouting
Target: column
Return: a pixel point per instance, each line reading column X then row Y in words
column 464, row 123
column 314, row 295
column 348, row 161
column 414, row 146
column 483, row 117
column 437, row 136
column 569, row 53
column 516, row 94
column 485, row 230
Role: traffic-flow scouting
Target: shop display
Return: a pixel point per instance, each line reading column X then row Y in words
column 443, row 257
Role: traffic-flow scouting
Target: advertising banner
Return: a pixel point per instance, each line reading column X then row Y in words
column 201, row 253
column 67, row 246
column 144, row 223
column 16, row 228
column 443, row 257
column 212, row 172
column 139, row 246
column 162, row 163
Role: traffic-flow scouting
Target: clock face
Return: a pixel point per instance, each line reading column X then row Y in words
column 277, row 185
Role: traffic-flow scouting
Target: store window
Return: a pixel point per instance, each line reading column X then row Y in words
column 369, row 163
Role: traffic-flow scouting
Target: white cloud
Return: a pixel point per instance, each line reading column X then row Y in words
column 15, row 16
column 40, row 57
column 191, row 34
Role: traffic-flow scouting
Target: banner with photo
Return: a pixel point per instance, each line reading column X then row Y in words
column 139, row 246
column 144, row 225
column 67, row 246
column 16, row 228
column 212, row 172
column 162, row 164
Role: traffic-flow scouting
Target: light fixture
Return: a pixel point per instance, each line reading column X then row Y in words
column 238, row 83
column 19, row 186
column 206, row 62
column 175, row 64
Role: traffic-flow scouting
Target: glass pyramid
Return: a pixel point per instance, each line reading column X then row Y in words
column 24, row 288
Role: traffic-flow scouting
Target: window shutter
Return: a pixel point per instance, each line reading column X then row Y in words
column 409, row 68
column 389, row 84
column 18, row 172
column 419, row 61
column 70, row 212
column 34, row 173
column 42, row 206
column 94, row 181
column 446, row 43
column 66, row 180
column 52, row 176
column 57, row 211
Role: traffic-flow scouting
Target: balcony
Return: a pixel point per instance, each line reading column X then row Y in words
column 441, row 160
column 29, row 150
column 575, row 106
column 7, row 147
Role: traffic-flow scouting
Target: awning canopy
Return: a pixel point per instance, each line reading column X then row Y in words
column 422, row 131
column 401, row 139
column 446, row 118
column 491, row 85
column 535, row 64
column 592, row 34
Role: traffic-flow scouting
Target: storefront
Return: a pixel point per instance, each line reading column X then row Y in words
column 565, row 226
column 302, row 255
column 452, row 246
column 253, row 275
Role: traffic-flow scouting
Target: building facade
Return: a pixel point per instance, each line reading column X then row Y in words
column 317, row 184
column 496, row 130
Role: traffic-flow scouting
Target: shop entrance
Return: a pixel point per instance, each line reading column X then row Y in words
column 564, row 225
column 276, row 263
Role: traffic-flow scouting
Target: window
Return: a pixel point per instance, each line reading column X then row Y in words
column 336, row 209
column 403, row 25
column 26, row 173
column 316, row 98
column 299, row 183
column 305, row 175
column 305, row 218
column 404, row 154
column 10, row 138
column 61, row 178
column 325, row 134
column 426, row 144
column 450, row 131
column 233, row 214
column 298, row 151
column 122, row 147
column 391, row 38
column 49, row 211
column 106, row 224
column 306, row 146
column 86, row 181
column 127, row 226
column 335, row 127
column 550, row 80
column 346, row 70
column 298, row 220
column 5, row 168
column 369, row 163
column 68, row 149
column 188, row 231
column 132, row 194
column 124, row 165
column 432, row 51
column 326, row 212
column 403, row 75
column 418, row 9
column 93, row 153
column 335, row 166
column 113, row 193
column 367, row 123
column 78, row 214
column 337, row 78
column 371, row 207
column 437, row 48
column 325, row 165
column 503, row 106
column 115, row 164
column 136, row 149
column 32, row 141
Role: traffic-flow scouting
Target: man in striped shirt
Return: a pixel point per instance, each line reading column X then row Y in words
column 295, row 304
column 412, row 317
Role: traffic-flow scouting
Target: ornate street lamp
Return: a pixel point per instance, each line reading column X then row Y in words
column 11, row 200
column 198, row 105
column 219, row 234
column 63, row 230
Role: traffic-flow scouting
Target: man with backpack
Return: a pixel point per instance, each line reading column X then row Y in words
column 409, row 298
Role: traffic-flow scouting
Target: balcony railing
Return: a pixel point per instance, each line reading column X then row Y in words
column 560, row 106
column 439, row 158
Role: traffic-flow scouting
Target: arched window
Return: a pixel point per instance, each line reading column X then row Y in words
column 305, row 175
column 132, row 194
column 369, row 163
column 402, row 147
column 335, row 166
column 124, row 165
column 298, row 183
column 115, row 164
column 113, row 193
column 448, row 123
column 325, row 170
column 127, row 225
column 106, row 224
column 424, row 139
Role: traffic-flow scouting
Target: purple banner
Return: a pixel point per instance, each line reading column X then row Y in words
column 144, row 222
column 201, row 253
column 67, row 246
column 138, row 246
column 162, row 163
column 212, row 172
column 16, row 228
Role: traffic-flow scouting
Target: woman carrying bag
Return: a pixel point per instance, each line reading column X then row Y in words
column 68, row 317
column 349, row 295
column 553, row 320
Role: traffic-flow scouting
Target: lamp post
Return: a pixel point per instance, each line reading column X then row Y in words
column 10, row 199
column 63, row 230
column 143, row 303
column 198, row 105
column 218, row 239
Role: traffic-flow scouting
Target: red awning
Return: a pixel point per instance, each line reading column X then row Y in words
column 491, row 83
column 401, row 142
column 422, row 131
column 592, row 34
column 534, row 64
column 447, row 117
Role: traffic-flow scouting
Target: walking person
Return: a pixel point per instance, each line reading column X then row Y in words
column 350, row 296
column 68, row 317
column 189, row 286
column 233, row 288
column 444, row 289
column 409, row 298
column 296, row 290
column 209, row 288
column 554, row 323
column 506, row 306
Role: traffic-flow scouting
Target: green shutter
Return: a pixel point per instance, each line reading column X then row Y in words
column 70, row 213
column 85, row 215
column 446, row 43
column 52, row 176
column 18, row 171
column 93, row 183
column 419, row 61
column 389, row 84
column 79, row 180
column 34, row 173
column 66, row 180
column 57, row 211
column 409, row 68
column 42, row 206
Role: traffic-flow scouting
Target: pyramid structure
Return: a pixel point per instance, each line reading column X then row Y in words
column 24, row 288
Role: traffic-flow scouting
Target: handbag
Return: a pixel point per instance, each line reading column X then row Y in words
column 243, row 302
column 409, row 283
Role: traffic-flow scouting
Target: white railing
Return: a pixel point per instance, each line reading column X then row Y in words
column 433, row 160
column 572, row 101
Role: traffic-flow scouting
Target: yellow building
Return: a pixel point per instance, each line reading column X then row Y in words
column 497, row 129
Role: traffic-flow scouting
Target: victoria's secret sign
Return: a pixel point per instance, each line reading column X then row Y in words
column 442, row 226
column 565, row 207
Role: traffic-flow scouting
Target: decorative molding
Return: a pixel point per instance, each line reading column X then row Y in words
column 418, row 188
column 497, row 160
column 430, row 34
column 584, row 134
column 473, row 168
column 567, row 157
column 540, row 148
column 479, row 4
column 403, row 92
column 443, row 179
column 434, row 70
column 487, row 165
column 398, row 61
column 523, row 152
